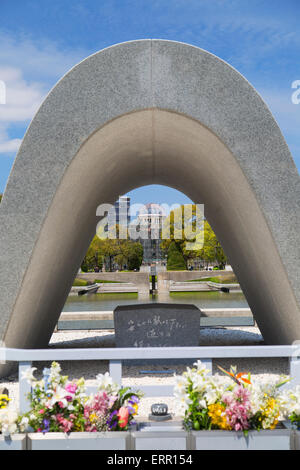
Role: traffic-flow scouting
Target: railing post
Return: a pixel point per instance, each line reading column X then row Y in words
column 294, row 371
column 115, row 371
column 24, row 388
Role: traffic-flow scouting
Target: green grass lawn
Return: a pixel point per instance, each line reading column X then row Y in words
column 80, row 283
column 230, row 279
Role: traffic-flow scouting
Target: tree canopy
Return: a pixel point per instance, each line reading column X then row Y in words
column 195, row 241
column 123, row 252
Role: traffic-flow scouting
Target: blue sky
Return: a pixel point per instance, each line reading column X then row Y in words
column 42, row 40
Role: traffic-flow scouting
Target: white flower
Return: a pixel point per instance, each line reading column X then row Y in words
column 211, row 396
column 183, row 402
column 290, row 402
column 23, row 424
column 8, row 421
column 104, row 380
column 199, row 382
column 201, row 368
column 59, row 395
column 54, row 375
column 28, row 375
column 202, row 403
column 180, row 385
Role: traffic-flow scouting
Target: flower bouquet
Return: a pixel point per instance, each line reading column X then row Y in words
column 232, row 402
column 61, row 405
column 57, row 404
column 113, row 408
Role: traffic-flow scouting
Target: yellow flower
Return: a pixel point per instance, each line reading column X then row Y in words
column 4, row 400
column 216, row 412
column 93, row 417
column 270, row 414
column 135, row 406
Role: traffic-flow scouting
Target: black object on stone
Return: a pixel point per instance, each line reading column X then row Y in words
column 159, row 412
column 159, row 409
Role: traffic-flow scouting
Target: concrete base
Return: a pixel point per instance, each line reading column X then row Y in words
column 79, row 441
column 275, row 439
column 296, row 439
column 13, row 442
column 163, row 440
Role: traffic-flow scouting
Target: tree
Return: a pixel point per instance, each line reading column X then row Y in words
column 1, row 197
column 212, row 251
column 207, row 249
column 135, row 255
column 175, row 260
column 120, row 251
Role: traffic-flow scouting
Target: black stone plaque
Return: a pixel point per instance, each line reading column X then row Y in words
column 156, row 325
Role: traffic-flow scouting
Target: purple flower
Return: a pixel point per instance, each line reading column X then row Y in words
column 111, row 422
column 134, row 399
column 131, row 409
column 46, row 423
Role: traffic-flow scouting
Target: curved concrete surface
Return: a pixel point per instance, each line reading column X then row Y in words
column 143, row 112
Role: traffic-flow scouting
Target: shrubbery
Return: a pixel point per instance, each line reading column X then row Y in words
column 175, row 260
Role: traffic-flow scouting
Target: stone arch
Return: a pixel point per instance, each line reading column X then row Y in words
column 137, row 113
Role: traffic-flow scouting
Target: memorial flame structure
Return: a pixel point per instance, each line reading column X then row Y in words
column 137, row 113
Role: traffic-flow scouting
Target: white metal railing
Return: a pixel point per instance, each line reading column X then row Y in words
column 116, row 356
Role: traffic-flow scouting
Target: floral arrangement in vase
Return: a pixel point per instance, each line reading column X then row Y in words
column 231, row 402
column 61, row 405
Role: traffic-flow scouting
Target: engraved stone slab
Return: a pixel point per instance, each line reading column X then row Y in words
column 156, row 325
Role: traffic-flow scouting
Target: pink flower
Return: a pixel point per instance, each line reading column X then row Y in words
column 65, row 425
column 123, row 415
column 238, row 408
column 71, row 387
column 42, row 411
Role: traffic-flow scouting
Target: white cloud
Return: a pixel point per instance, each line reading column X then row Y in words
column 28, row 71
column 45, row 61
column 8, row 145
column 22, row 98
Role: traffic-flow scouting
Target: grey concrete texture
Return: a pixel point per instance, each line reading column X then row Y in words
column 174, row 440
column 142, row 112
column 13, row 442
column 275, row 439
column 78, row 441
column 156, row 325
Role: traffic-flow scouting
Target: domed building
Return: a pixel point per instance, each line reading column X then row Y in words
column 150, row 220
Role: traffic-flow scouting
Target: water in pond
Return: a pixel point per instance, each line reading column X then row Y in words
column 108, row 302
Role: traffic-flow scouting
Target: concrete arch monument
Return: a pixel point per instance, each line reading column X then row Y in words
column 142, row 112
